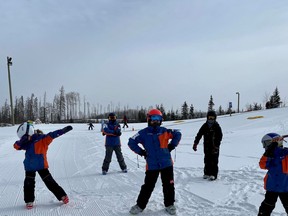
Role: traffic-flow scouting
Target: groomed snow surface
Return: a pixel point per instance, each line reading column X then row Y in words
column 76, row 158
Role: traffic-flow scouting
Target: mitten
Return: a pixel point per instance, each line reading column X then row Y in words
column 269, row 152
column 24, row 139
column 67, row 129
column 143, row 153
column 194, row 147
column 170, row 147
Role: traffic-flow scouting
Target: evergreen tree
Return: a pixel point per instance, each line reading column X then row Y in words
column 5, row 113
column 161, row 108
column 221, row 111
column 142, row 115
column 256, row 106
column 184, row 111
column 191, row 112
column 275, row 100
column 211, row 104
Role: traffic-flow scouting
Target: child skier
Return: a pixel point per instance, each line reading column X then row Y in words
column 91, row 126
column 112, row 130
column 275, row 160
column 212, row 133
column 35, row 143
column 157, row 148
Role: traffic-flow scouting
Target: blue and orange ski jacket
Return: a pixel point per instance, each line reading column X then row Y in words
column 155, row 142
column 36, row 147
column 276, row 179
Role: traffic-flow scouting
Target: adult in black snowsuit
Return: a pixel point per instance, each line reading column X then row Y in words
column 212, row 133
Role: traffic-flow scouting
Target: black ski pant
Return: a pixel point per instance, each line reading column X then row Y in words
column 51, row 184
column 269, row 202
column 108, row 157
column 125, row 125
column 211, row 164
column 167, row 177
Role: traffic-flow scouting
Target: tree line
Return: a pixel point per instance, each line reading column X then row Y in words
column 68, row 107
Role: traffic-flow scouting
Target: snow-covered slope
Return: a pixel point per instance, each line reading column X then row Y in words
column 76, row 158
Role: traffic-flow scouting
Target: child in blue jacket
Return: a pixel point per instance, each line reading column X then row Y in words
column 112, row 130
column 157, row 148
column 35, row 143
column 275, row 160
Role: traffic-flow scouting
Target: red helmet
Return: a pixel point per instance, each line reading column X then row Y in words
column 154, row 112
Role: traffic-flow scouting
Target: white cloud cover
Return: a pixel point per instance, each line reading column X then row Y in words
column 143, row 53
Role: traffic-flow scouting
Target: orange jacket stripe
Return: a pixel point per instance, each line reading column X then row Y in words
column 164, row 139
column 285, row 165
column 41, row 147
column 262, row 162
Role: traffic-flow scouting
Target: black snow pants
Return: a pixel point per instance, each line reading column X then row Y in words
column 211, row 164
column 51, row 184
column 108, row 157
column 269, row 202
column 167, row 177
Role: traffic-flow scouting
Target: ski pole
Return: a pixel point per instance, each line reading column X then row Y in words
column 175, row 155
column 137, row 161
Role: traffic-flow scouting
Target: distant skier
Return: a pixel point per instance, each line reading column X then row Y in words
column 275, row 160
column 91, row 126
column 112, row 130
column 125, row 121
column 157, row 148
column 35, row 143
column 212, row 133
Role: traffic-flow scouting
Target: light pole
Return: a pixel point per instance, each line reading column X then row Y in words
column 9, row 63
column 238, row 101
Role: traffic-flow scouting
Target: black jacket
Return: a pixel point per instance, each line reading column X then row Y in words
column 212, row 136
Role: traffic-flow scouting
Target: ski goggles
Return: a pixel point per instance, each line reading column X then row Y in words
column 211, row 117
column 156, row 118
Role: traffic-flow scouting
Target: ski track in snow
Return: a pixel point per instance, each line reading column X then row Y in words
column 75, row 163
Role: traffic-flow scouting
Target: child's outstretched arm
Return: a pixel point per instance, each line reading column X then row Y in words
column 60, row 132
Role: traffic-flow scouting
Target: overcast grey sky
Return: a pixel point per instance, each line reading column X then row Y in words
column 146, row 52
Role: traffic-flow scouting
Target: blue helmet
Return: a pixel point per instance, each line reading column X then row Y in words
column 270, row 138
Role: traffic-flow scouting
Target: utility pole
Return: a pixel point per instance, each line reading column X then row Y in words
column 238, row 100
column 9, row 63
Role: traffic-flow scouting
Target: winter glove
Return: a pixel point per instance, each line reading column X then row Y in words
column 67, row 129
column 171, row 147
column 270, row 150
column 194, row 147
column 24, row 139
column 143, row 153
